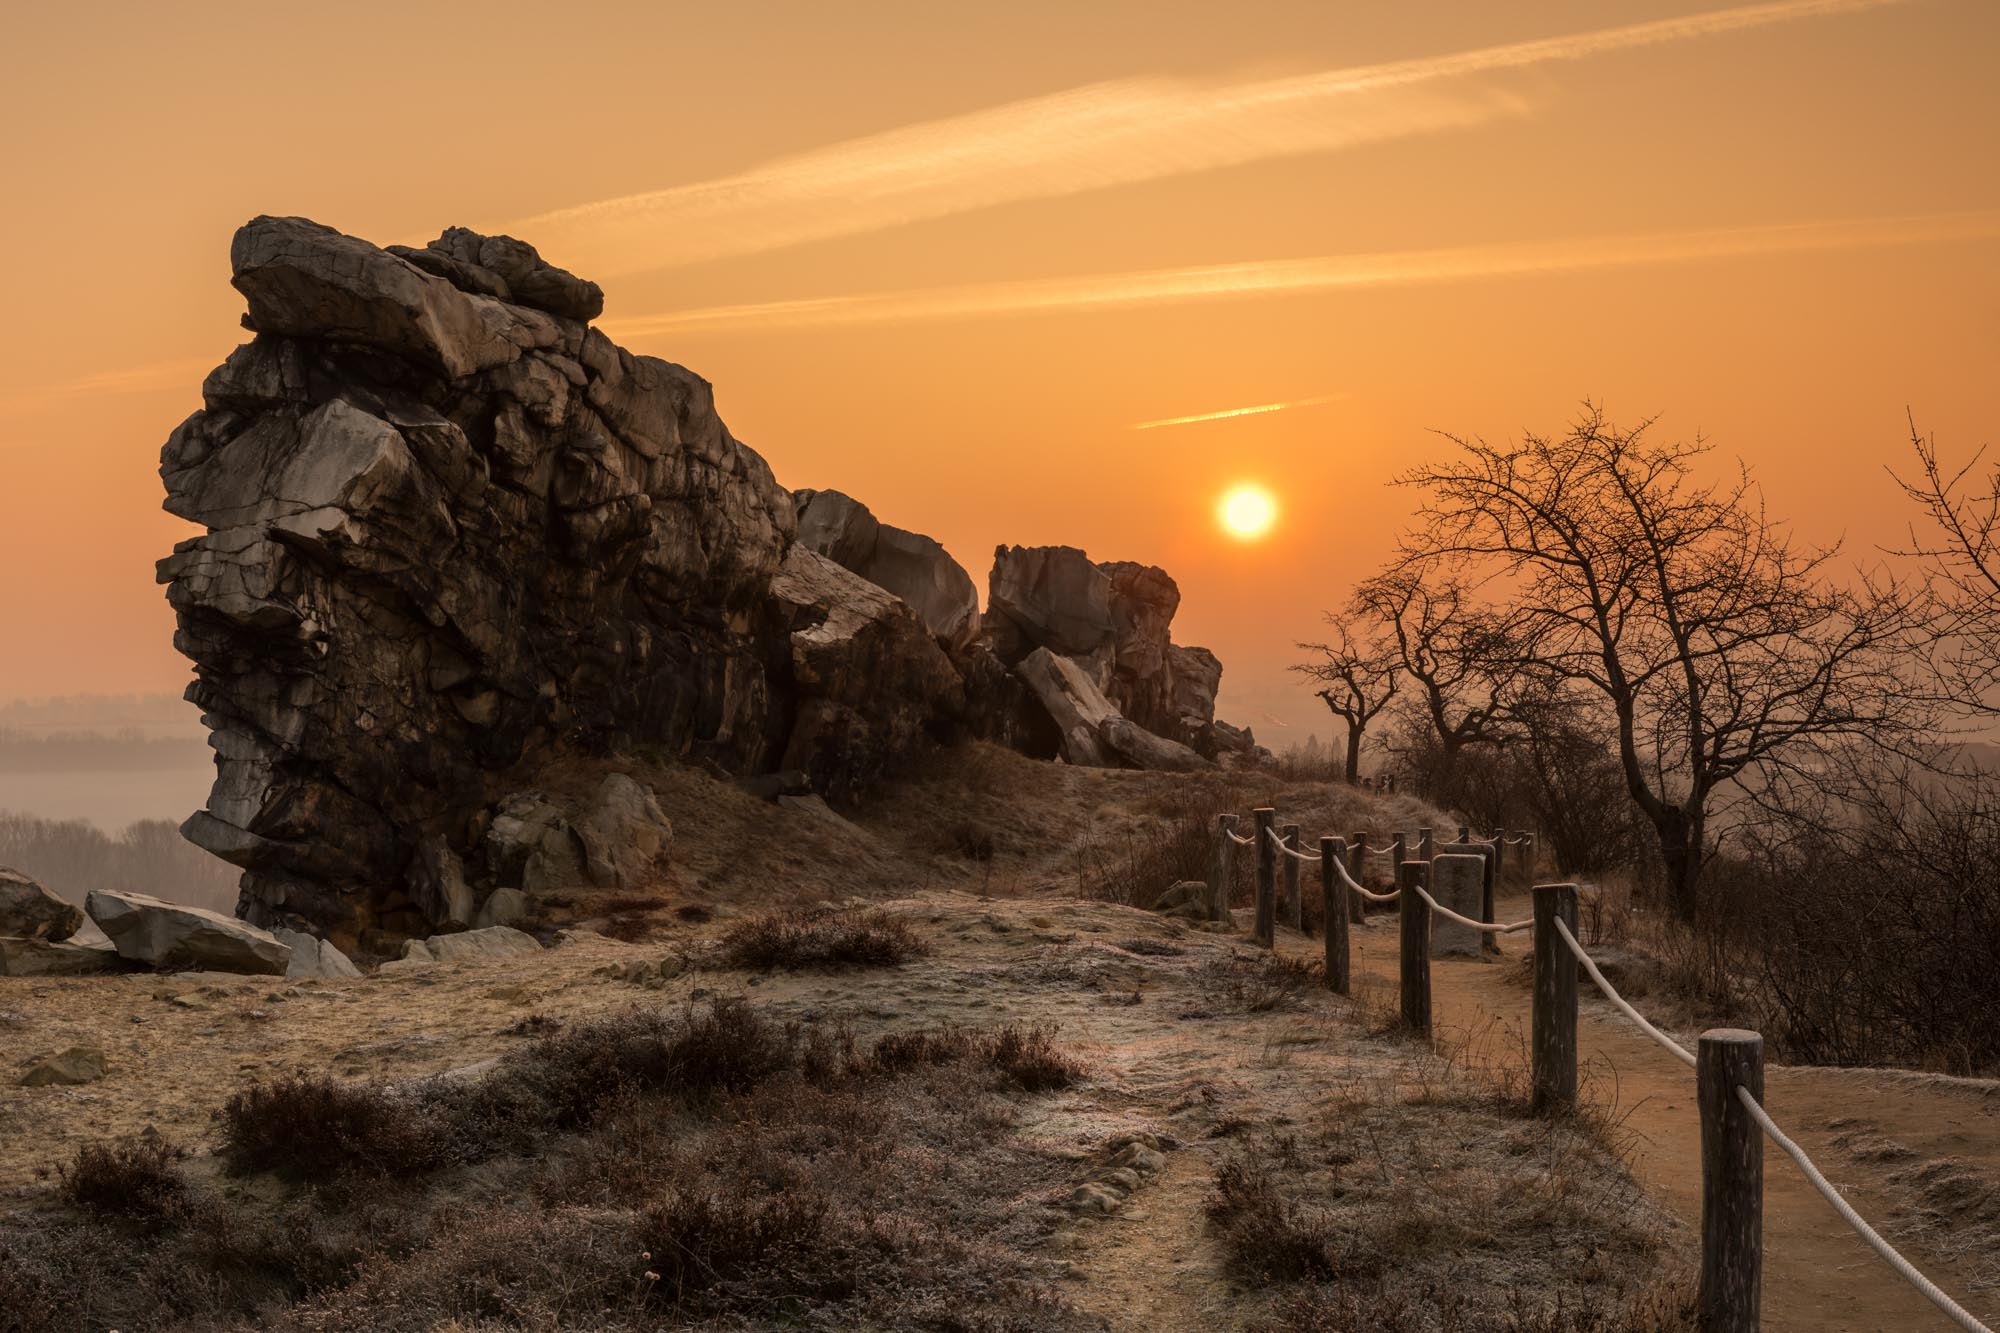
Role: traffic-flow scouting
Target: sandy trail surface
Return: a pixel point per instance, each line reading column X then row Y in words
column 1882, row 1136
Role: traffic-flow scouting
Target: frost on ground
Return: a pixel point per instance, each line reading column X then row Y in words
column 1050, row 1114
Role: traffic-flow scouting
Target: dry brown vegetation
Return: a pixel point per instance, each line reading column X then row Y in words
column 821, row 937
column 705, row 1164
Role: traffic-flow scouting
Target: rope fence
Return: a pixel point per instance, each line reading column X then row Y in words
column 1729, row 1065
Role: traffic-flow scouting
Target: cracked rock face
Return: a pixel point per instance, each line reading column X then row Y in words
column 453, row 535
column 449, row 528
column 1114, row 619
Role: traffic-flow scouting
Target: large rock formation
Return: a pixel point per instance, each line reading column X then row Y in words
column 1114, row 620
column 454, row 535
column 912, row 566
column 452, row 530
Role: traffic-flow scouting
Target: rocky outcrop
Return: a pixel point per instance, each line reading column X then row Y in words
column 454, row 537
column 162, row 934
column 451, row 531
column 870, row 680
column 1113, row 619
column 910, row 565
column 29, row 911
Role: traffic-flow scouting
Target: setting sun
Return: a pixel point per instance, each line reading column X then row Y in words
column 1247, row 512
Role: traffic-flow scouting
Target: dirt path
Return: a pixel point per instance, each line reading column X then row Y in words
column 1862, row 1127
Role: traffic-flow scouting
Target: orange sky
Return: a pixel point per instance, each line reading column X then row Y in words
column 946, row 257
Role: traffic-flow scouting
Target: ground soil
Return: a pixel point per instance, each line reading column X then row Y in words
column 1818, row 1275
column 1186, row 1048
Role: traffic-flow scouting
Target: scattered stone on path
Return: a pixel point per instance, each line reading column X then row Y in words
column 78, row 1064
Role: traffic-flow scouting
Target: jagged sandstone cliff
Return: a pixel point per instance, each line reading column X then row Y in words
column 453, row 533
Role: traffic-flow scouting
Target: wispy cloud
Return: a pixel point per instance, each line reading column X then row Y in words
column 1257, row 409
column 156, row 376
column 1293, row 276
column 1087, row 138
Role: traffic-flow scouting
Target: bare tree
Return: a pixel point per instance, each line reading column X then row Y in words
column 1360, row 678
column 1457, row 655
column 1958, row 553
column 1721, row 647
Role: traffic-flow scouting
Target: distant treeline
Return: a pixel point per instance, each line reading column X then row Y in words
column 152, row 714
column 129, row 750
column 71, row 857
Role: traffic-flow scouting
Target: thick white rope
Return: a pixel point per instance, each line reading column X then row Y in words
column 1239, row 839
column 1516, row 842
column 1611, row 994
column 1281, row 845
column 1355, row 887
column 1489, row 926
column 1950, row 1308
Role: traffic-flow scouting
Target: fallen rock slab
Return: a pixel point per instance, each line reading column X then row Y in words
column 169, row 935
column 29, row 911
column 56, row 958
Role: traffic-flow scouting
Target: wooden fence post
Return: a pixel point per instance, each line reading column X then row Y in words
column 1219, row 868
column 1732, row 1180
column 1499, row 861
column 1293, row 913
column 1416, row 959
column 1264, row 929
column 1426, row 845
column 1333, row 892
column 1465, row 833
column 1554, row 1086
column 1357, row 911
column 1399, row 851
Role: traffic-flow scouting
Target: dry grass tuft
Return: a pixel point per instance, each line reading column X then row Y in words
column 139, row 1180
column 826, row 938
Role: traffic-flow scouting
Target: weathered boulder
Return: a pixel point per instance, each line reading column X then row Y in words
column 1140, row 748
column 1092, row 731
column 314, row 957
column 56, row 958
column 531, row 845
column 470, row 946
column 1185, row 900
column 78, row 1064
column 1049, row 597
column 503, row 907
column 29, row 911
column 908, row 564
column 623, row 834
column 1073, row 701
column 1197, row 676
column 870, row 682
column 1115, row 620
column 168, row 935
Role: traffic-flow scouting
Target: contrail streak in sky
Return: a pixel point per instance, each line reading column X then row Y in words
column 1087, row 138
column 1284, row 277
column 1257, row 410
